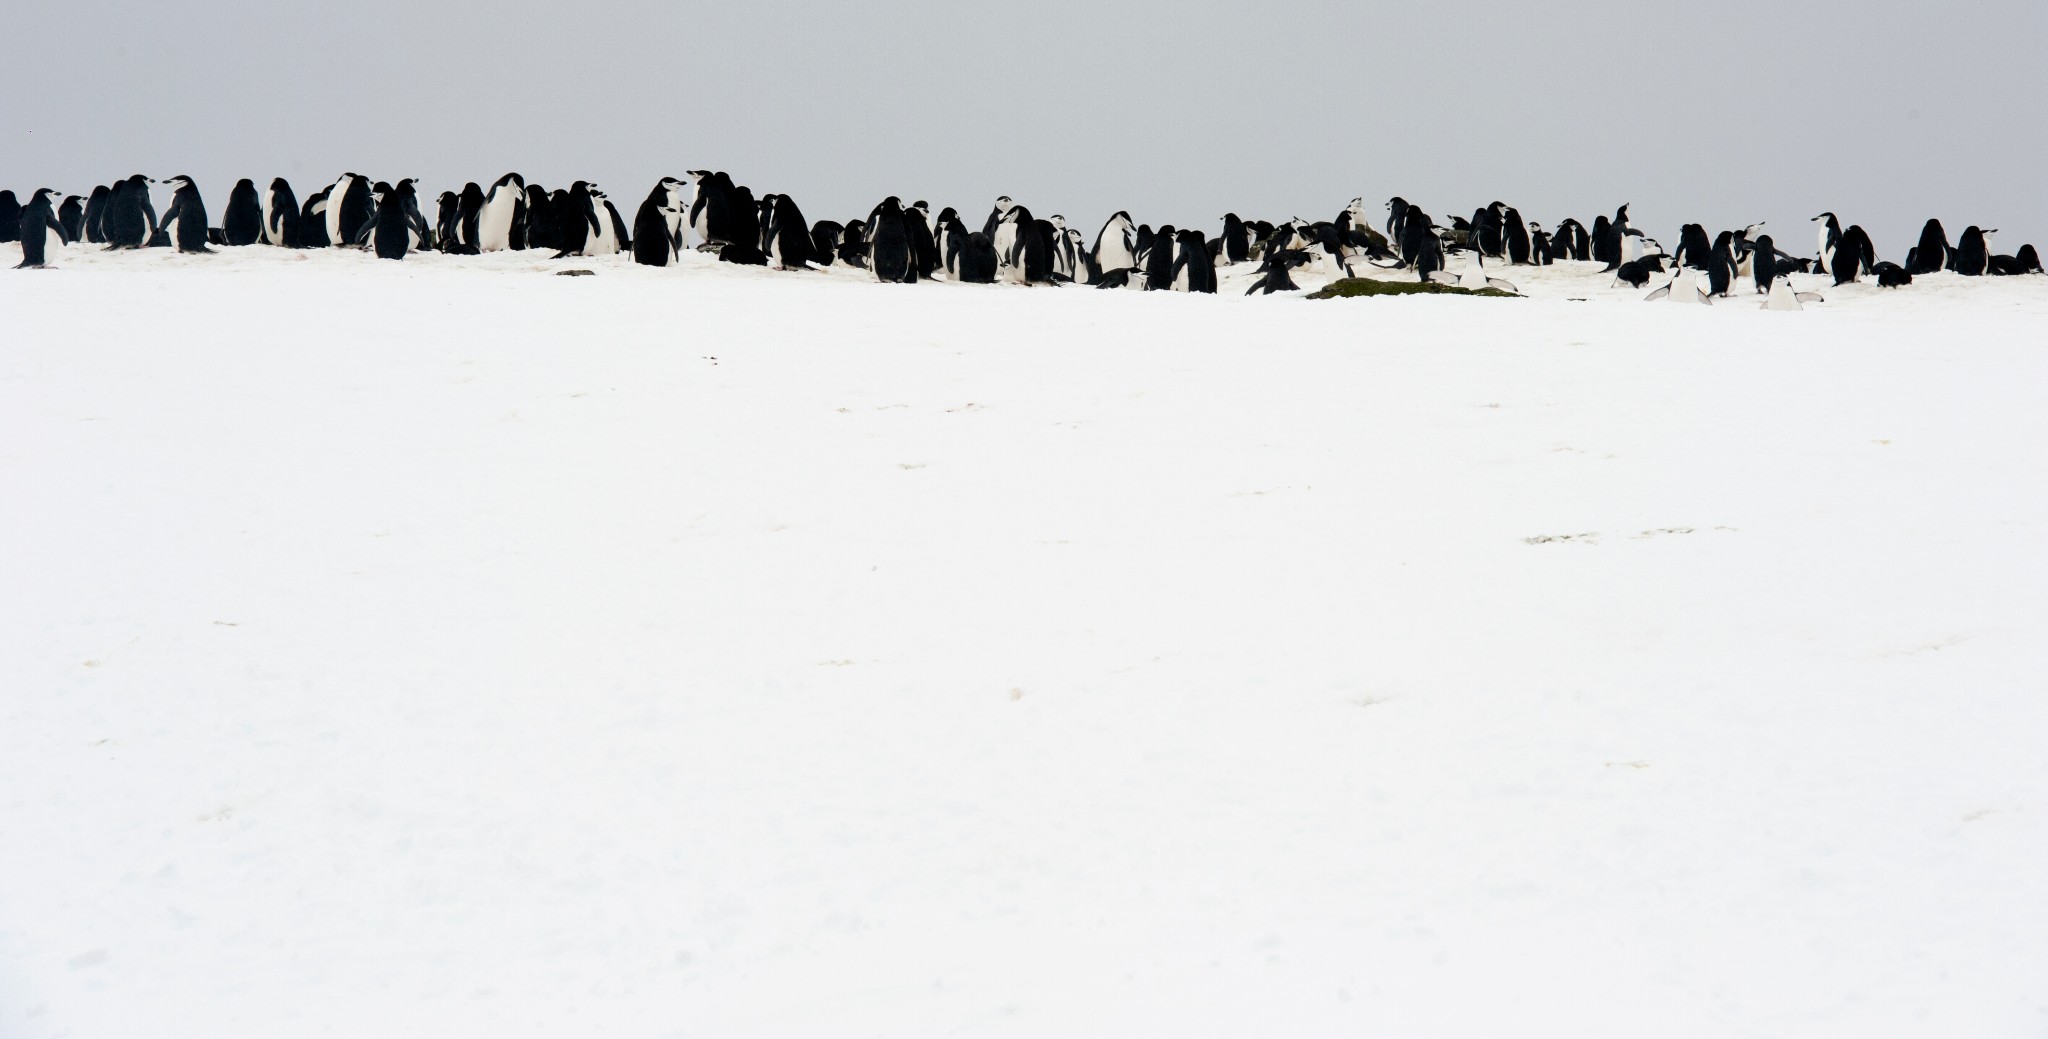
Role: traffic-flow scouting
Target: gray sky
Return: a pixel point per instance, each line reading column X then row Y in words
column 1884, row 111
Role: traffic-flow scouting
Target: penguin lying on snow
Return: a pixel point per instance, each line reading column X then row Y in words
column 1273, row 276
column 1637, row 273
column 1684, row 287
column 2026, row 261
column 1892, row 276
column 1472, row 277
column 1126, row 278
column 1783, row 298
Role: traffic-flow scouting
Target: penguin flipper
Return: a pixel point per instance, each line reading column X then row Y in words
column 1442, row 277
column 1658, row 293
column 1809, row 297
column 1497, row 283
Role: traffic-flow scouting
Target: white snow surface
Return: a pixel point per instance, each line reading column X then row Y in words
column 445, row 648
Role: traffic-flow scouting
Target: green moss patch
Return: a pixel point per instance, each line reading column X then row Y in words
column 1344, row 288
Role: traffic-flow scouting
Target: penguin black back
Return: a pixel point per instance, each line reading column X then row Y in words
column 825, row 241
column 283, row 227
column 96, row 214
column 1237, row 244
column 470, row 208
column 72, row 215
column 977, row 262
column 1932, row 254
column 398, row 220
column 789, row 243
column 32, row 226
column 889, row 243
column 1519, row 247
column 313, row 220
column 10, row 217
column 650, row 227
column 575, row 219
column 1973, row 253
column 186, row 218
column 241, row 223
column 1721, row 264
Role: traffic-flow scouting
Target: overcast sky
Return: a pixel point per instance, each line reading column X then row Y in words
column 1885, row 111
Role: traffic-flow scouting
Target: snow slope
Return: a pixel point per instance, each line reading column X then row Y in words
column 451, row 649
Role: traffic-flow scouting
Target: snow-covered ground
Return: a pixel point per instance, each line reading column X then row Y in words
column 447, row 648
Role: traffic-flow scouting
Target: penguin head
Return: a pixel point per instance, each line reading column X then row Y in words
column 179, row 182
column 1003, row 203
column 1058, row 222
column 1823, row 216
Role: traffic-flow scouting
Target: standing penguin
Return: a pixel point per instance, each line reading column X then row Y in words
column 1420, row 246
column 448, row 222
column 606, row 229
column 889, row 243
column 1397, row 221
column 10, row 217
column 1933, row 253
column 575, row 220
column 400, row 227
column 313, row 220
column 789, row 237
column 1030, row 260
column 1693, row 248
column 538, row 228
column 130, row 219
column 72, row 215
column 33, row 224
column 281, row 215
column 1828, row 238
column 995, row 219
column 186, row 219
column 1193, row 269
column 1116, row 245
column 1607, row 238
column 924, row 248
column 242, row 222
column 1084, row 268
column 1066, row 261
column 96, row 214
column 657, row 223
column 1721, row 265
column 500, row 224
column 469, row 208
column 825, row 242
column 1852, row 254
column 853, row 245
column 1571, row 242
column 977, row 263
column 1764, row 265
column 1973, row 252
column 1157, row 259
column 1237, row 242
column 348, row 209
column 1520, row 248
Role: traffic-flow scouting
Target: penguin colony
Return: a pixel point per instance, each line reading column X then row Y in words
column 906, row 243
